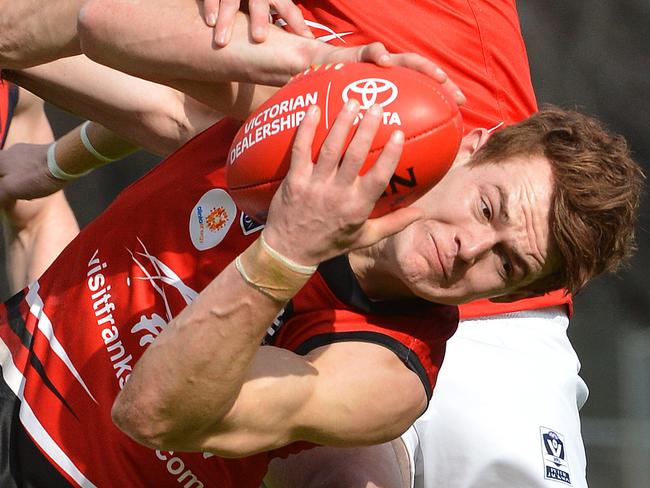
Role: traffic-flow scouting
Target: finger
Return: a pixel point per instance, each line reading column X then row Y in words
column 376, row 53
column 259, row 14
column 210, row 12
column 292, row 14
column 375, row 180
column 225, row 20
column 331, row 150
column 357, row 152
column 375, row 230
column 301, row 158
column 429, row 68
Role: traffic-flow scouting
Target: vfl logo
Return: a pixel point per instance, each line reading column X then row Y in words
column 556, row 466
column 371, row 91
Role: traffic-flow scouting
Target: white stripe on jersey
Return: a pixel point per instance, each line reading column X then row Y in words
column 35, row 303
column 16, row 381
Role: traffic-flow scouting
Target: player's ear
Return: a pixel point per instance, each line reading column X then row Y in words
column 469, row 144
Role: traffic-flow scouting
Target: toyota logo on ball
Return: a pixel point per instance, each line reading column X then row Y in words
column 371, row 91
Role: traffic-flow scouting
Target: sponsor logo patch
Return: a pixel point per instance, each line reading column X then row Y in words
column 248, row 225
column 211, row 219
column 554, row 455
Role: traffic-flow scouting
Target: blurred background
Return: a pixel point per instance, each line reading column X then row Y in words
column 593, row 55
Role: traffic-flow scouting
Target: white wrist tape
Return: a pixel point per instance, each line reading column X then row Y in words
column 54, row 168
column 90, row 148
column 292, row 265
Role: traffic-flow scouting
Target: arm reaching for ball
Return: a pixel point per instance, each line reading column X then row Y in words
column 219, row 395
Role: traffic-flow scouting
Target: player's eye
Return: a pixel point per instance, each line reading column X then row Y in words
column 486, row 210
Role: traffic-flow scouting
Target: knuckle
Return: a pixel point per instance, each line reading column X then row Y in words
column 327, row 152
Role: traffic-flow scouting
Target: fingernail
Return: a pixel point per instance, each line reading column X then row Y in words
column 351, row 105
column 397, row 137
column 221, row 38
column 460, row 97
column 212, row 19
column 259, row 32
column 312, row 110
column 441, row 75
column 375, row 110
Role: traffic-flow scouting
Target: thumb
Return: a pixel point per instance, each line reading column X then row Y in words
column 377, row 229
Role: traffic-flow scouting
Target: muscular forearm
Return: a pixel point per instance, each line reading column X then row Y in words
column 168, row 40
column 34, row 32
column 155, row 117
column 199, row 363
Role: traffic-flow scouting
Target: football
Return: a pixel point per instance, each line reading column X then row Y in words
column 259, row 157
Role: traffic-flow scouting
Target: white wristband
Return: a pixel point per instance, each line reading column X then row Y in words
column 292, row 265
column 54, row 168
column 90, row 148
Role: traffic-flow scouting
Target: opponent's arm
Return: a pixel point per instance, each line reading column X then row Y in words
column 35, row 231
column 168, row 42
column 34, row 32
column 152, row 116
column 205, row 383
column 381, row 466
column 26, row 170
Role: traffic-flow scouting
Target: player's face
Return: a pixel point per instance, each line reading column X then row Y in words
column 485, row 234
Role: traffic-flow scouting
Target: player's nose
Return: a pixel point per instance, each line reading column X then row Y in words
column 472, row 244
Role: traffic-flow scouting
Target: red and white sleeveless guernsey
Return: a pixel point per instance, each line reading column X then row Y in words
column 479, row 45
column 69, row 341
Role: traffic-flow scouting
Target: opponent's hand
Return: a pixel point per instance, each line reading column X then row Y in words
column 377, row 53
column 429, row 68
column 24, row 174
column 220, row 14
column 321, row 210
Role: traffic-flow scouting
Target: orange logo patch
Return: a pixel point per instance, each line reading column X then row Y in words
column 217, row 219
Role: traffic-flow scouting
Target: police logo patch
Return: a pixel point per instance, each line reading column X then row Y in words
column 248, row 225
column 554, row 455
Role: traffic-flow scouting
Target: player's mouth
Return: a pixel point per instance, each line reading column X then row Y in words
column 438, row 258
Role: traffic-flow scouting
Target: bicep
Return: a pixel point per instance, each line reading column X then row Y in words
column 343, row 394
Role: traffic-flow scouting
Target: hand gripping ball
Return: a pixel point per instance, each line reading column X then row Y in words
column 259, row 157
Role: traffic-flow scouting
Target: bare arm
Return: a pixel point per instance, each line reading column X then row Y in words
column 152, row 116
column 380, row 466
column 35, row 231
column 168, row 42
column 215, row 389
column 34, row 32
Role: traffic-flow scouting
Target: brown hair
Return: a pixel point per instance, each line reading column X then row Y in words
column 597, row 187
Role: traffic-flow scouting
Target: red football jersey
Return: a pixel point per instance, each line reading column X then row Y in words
column 8, row 100
column 478, row 44
column 69, row 342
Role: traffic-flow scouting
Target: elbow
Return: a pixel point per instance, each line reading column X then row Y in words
column 95, row 25
column 89, row 21
column 142, row 422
